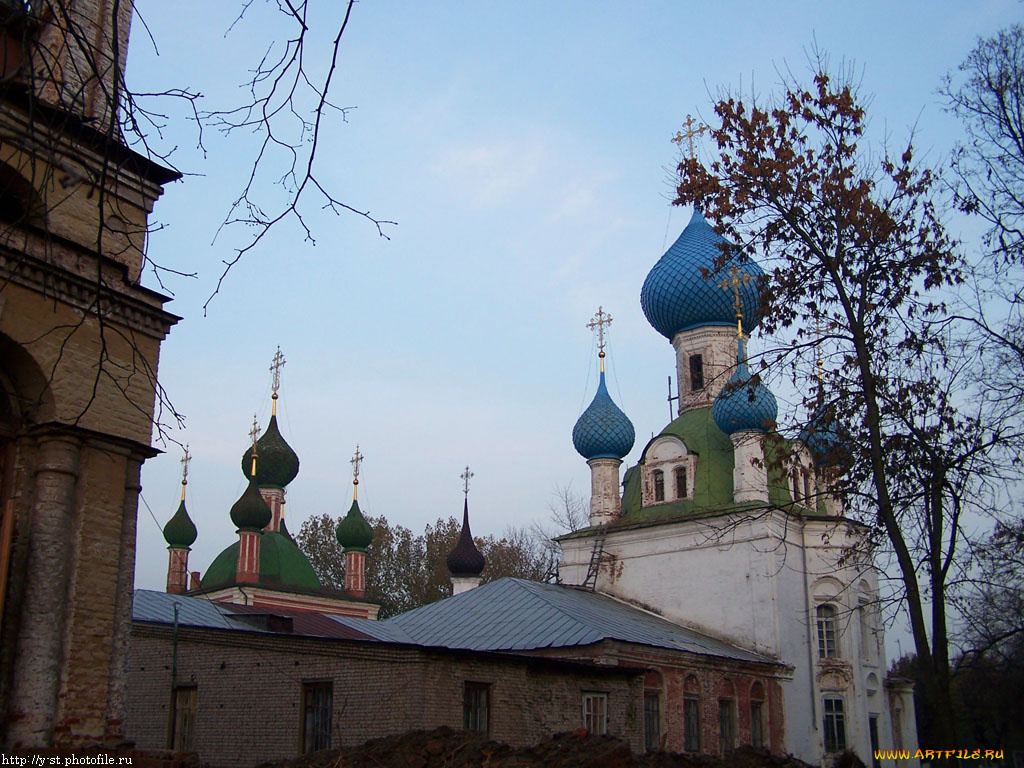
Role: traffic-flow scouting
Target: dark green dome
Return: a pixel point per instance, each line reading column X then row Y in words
column 276, row 463
column 250, row 512
column 354, row 532
column 180, row 532
column 282, row 564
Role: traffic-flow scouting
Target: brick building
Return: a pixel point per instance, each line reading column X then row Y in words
column 79, row 344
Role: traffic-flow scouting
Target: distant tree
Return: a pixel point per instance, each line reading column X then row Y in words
column 405, row 571
column 568, row 512
column 853, row 245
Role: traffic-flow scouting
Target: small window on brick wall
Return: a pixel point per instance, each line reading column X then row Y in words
column 317, row 707
column 476, row 700
column 691, row 715
column 184, row 720
column 757, row 712
column 595, row 713
column 696, row 372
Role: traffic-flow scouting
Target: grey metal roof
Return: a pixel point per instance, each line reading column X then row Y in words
column 192, row 611
column 519, row 615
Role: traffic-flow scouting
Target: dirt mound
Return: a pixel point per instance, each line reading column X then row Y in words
column 445, row 748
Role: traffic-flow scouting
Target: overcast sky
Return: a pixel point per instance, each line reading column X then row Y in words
column 523, row 148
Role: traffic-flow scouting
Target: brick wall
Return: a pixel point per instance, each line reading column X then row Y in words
column 249, row 687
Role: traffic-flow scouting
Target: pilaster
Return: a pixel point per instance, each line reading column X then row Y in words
column 749, row 474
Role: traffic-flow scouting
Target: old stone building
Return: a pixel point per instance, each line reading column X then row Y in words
column 79, row 344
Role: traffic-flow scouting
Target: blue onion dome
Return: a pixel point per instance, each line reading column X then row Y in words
column 353, row 532
column 744, row 404
column 603, row 431
column 277, row 463
column 682, row 290
column 180, row 532
column 250, row 512
column 465, row 559
column 821, row 437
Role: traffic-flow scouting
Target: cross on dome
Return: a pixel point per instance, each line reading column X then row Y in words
column 275, row 368
column 185, row 459
column 736, row 278
column 466, row 476
column 690, row 132
column 597, row 323
column 356, row 460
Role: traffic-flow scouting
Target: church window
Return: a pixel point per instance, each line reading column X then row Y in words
column 317, row 706
column 795, row 477
column 757, row 729
column 652, row 720
column 659, row 485
column 595, row 713
column 475, row 707
column 696, row 372
column 828, row 647
column 691, row 715
column 834, row 724
column 726, row 724
column 681, row 485
column 873, row 735
column 184, row 720
column 868, row 645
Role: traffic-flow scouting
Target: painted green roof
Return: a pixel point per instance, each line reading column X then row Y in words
column 282, row 564
column 712, row 485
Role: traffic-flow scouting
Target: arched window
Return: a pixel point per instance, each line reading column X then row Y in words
column 758, row 729
column 828, row 646
column 659, row 485
column 795, row 477
column 681, row 485
column 691, row 714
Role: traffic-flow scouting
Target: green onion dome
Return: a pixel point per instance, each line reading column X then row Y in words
column 180, row 532
column 744, row 404
column 277, row 464
column 465, row 559
column 353, row 532
column 250, row 512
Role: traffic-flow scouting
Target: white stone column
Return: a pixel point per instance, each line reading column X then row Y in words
column 605, row 502
column 749, row 475
column 39, row 654
column 462, row 584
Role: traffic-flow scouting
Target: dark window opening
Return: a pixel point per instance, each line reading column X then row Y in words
column 726, row 725
column 691, row 723
column 476, row 707
column 835, row 725
column 681, row 484
column 317, row 705
column 652, row 720
column 659, row 485
column 696, row 372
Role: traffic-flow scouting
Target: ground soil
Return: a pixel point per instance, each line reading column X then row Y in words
column 445, row 748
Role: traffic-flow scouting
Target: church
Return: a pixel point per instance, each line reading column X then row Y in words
column 718, row 597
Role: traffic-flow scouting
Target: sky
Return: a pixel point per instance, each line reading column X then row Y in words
column 524, row 151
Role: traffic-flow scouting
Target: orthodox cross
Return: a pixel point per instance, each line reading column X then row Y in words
column 254, row 433
column 736, row 278
column 465, row 480
column 184, row 471
column 598, row 322
column 690, row 133
column 357, row 459
column 275, row 368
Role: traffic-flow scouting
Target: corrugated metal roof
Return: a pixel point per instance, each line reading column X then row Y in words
column 519, row 615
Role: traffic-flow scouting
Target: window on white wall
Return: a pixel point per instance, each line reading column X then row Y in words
column 668, row 472
column 681, row 484
column 834, row 724
column 659, row 485
column 828, row 631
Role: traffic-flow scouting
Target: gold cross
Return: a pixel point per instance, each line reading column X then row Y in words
column 690, row 133
column 736, row 277
column 355, row 462
column 598, row 322
column 275, row 368
column 184, row 471
column 465, row 480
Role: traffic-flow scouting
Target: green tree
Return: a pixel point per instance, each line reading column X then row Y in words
column 859, row 270
column 405, row 571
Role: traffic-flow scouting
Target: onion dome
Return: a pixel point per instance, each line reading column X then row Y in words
column 465, row 559
column 821, row 437
column 277, row 463
column 250, row 512
column 677, row 296
column 744, row 404
column 353, row 532
column 180, row 532
column 603, row 431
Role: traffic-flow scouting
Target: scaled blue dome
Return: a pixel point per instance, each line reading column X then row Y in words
column 821, row 438
column 676, row 297
column 743, row 405
column 603, row 431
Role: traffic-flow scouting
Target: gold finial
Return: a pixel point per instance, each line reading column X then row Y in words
column 466, row 476
column 355, row 462
column 184, row 471
column 598, row 322
column 689, row 133
column 254, row 433
column 275, row 368
column 736, row 278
